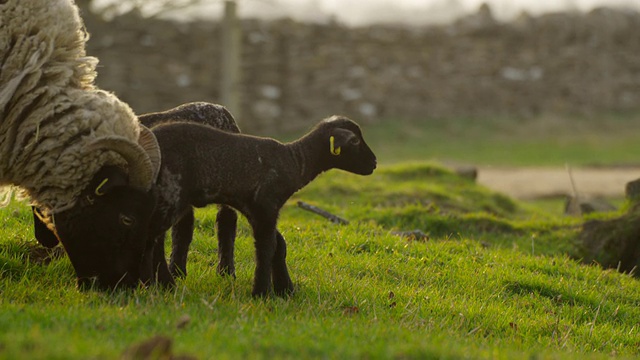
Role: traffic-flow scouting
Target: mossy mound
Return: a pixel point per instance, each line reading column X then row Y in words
column 613, row 243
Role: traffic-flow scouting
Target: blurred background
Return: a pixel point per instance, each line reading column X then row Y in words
column 495, row 83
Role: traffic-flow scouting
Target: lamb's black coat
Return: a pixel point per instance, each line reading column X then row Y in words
column 254, row 175
column 216, row 116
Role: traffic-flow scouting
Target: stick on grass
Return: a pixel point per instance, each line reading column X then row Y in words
column 316, row 210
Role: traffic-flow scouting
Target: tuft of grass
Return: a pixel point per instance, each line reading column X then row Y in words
column 493, row 281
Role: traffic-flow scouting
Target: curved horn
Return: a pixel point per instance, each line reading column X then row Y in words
column 149, row 143
column 141, row 172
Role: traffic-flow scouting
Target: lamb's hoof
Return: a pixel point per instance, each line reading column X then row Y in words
column 165, row 281
column 178, row 272
column 285, row 292
column 282, row 284
column 167, row 285
column 261, row 292
column 227, row 270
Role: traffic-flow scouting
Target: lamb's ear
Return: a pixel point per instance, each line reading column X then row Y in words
column 340, row 138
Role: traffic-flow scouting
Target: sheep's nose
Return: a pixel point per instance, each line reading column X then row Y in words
column 374, row 164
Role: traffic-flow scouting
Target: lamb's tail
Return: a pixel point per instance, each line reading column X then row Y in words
column 42, row 42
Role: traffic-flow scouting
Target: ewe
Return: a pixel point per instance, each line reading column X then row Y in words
column 77, row 152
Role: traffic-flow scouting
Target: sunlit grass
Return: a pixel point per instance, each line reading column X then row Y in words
column 493, row 281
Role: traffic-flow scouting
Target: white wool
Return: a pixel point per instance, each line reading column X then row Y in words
column 49, row 105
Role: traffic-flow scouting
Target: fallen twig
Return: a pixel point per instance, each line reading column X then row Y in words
column 316, row 210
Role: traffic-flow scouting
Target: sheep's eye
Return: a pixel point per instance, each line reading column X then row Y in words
column 126, row 220
column 354, row 141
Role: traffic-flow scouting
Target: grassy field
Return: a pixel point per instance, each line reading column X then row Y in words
column 495, row 279
column 544, row 140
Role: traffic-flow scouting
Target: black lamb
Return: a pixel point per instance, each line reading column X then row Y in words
column 182, row 222
column 254, row 175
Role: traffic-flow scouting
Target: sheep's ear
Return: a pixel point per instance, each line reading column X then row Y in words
column 340, row 138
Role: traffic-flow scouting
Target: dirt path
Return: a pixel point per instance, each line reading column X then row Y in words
column 533, row 182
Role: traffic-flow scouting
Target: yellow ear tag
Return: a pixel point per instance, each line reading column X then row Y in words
column 97, row 191
column 334, row 150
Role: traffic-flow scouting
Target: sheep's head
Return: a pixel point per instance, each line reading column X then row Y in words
column 345, row 146
column 105, row 232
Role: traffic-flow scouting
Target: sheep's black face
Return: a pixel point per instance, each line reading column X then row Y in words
column 105, row 234
column 348, row 150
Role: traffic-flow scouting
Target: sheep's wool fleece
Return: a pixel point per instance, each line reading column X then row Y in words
column 49, row 106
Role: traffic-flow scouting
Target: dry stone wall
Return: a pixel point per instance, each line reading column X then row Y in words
column 296, row 73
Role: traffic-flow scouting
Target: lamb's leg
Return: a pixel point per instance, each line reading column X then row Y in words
column 146, row 264
column 282, row 284
column 161, row 270
column 264, row 233
column 226, row 222
column 181, row 237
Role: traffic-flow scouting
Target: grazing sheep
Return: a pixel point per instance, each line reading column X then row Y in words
column 182, row 227
column 79, row 153
column 202, row 165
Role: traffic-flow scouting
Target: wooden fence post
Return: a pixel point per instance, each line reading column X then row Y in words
column 231, row 59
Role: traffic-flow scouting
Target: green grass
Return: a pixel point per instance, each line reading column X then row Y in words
column 495, row 280
column 541, row 140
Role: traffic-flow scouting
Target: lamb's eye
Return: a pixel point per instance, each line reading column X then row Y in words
column 354, row 141
column 127, row 220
